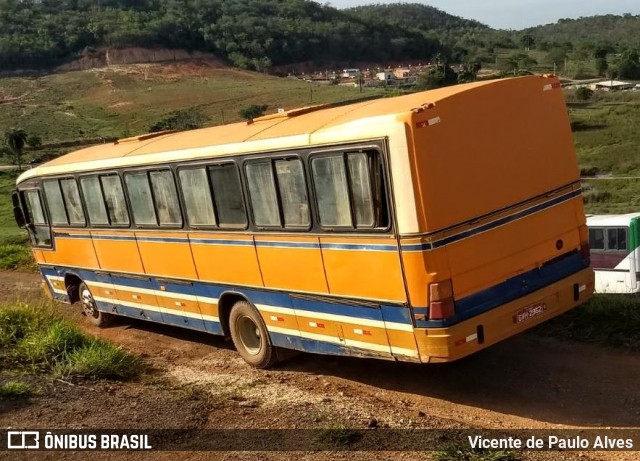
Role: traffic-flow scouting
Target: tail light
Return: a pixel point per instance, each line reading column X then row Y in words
column 441, row 304
column 585, row 252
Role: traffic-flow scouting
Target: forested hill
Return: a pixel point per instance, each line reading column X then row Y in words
column 617, row 31
column 251, row 34
column 416, row 16
column 259, row 34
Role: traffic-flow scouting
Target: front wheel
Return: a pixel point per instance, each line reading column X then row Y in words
column 90, row 309
column 250, row 336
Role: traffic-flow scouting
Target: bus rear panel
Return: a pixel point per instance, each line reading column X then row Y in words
column 504, row 242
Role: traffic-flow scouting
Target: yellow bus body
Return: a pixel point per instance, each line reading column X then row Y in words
column 484, row 198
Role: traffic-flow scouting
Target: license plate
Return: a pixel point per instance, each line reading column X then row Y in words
column 529, row 312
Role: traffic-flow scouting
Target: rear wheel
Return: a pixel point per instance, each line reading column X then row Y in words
column 90, row 309
column 250, row 336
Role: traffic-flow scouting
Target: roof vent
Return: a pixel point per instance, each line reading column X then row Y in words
column 144, row 137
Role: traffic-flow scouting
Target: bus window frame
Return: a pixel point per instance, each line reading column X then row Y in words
column 271, row 159
column 148, row 170
column 76, row 179
column 386, row 187
column 206, row 164
column 126, row 199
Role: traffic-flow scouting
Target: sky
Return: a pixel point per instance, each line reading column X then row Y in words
column 516, row 14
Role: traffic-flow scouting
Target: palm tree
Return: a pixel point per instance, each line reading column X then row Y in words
column 15, row 138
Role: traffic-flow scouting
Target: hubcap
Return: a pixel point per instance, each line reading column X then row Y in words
column 88, row 304
column 249, row 334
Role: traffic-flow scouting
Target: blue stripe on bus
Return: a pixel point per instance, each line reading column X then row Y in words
column 313, row 346
column 311, row 245
column 510, row 290
column 358, row 246
column 224, row 242
column 492, row 225
column 162, row 239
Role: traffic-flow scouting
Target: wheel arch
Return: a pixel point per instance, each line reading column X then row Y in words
column 225, row 303
column 72, row 283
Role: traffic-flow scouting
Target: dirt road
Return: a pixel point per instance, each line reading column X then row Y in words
column 198, row 381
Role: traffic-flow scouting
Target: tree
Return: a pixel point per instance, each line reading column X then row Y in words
column 15, row 138
column 436, row 78
column 583, row 93
column 602, row 66
column 187, row 119
column 34, row 141
column 629, row 65
column 252, row 111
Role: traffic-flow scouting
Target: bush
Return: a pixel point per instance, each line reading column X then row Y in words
column 253, row 111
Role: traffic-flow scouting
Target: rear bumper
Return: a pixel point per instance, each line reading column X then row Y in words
column 472, row 335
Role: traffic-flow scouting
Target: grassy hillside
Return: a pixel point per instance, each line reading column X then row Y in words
column 607, row 141
column 125, row 100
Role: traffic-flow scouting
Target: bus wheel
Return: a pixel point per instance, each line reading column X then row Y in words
column 250, row 336
column 90, row 309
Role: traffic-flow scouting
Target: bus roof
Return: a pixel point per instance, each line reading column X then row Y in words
column 611, row 220
column 290, row 129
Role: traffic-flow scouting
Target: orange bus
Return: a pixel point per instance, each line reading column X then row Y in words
column 418, row 228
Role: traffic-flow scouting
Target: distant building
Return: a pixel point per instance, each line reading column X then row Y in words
column 385, row 76
column 402, row 73
column 350, row 73
column 614, row 85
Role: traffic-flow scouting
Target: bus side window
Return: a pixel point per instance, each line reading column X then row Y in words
column 114, row 200
column 227, row 195
column 263, row 195
column 596, row 239
column 166, row 198
column 197, row 197
column 53, row 196
column 350, row 190
column 617, row 239
column 332, row 193
column 622, row 238
column 293, row 193
column 94, row 201
column 139, row 191
column 72, row 201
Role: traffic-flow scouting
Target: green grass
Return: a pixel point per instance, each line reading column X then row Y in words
column 455, row 452
column 15, row 390
column 605, row 320
column 36, row 338
column 607, row 140
column 16, row 257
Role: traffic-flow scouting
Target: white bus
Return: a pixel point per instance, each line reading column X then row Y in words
column 615, row 256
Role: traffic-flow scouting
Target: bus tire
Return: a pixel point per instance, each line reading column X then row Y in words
column 250, row 336
column 90, row 309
